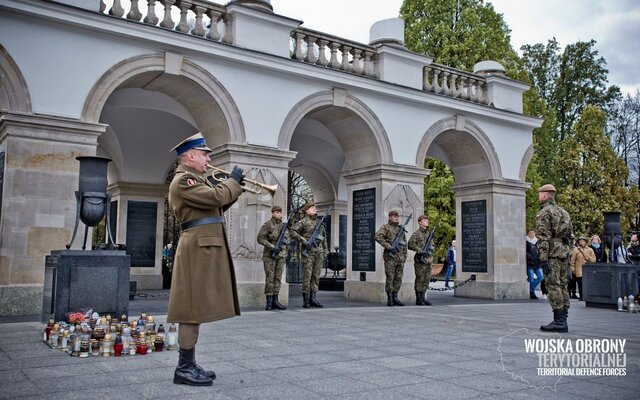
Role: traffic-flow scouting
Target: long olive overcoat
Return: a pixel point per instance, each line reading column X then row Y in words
column 203, row 286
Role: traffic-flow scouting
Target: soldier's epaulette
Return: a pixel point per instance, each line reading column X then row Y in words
column 191, row 179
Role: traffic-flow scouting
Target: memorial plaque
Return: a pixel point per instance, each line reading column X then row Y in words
column 474, row 236
column 141, row 233
column 363, row 229
column 342, row 234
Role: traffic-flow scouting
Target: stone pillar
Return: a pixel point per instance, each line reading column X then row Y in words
column 38, row 205
column 244, row 219
column 141, row 229
column 396, row 188
column 503, row 274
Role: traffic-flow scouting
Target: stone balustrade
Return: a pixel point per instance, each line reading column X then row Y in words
column 192, row 17
column 333, row 52
column 455, row 83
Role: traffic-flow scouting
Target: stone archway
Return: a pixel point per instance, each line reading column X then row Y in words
column 490, row 210
column 462, row 145
column 14, row 93
column 149, row 103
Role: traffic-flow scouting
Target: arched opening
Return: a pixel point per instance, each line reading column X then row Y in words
column 148, row 110
column 332, row 133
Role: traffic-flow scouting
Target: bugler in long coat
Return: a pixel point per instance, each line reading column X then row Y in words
column 203, row 286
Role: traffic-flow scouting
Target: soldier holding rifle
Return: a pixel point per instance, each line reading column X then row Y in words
column 310, row 232
column 422, row 243
column 274, row 236
column 392, row 237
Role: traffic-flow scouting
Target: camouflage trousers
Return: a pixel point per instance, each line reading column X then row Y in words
column 311, row 267
column 556, row 283
column 393, row 270
column 272, row 274
column 423, row 276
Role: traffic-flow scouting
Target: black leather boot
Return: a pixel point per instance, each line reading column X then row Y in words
column 210, row 374
column 389, row 299
column 424, row 299
column 305, row 300
column 269, row 303
column 276, row 304
column 187, row 372
column 419, row 298
column 559, row 323
column 314, row 302
column 396, row 300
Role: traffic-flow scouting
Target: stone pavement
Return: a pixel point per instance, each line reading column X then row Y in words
column 457, row 348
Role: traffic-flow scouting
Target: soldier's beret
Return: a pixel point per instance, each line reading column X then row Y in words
column 393, row 212
column 308, row 206
column 420, row 218
column 276, row 208
column 192, row 142
column 547, row 188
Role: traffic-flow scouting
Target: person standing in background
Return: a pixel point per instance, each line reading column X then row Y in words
column 393, row 258
column 450, row 262
column 580, row 256
column 422, row 260
column 598, row 250
column 534, row 272
column 273, row 264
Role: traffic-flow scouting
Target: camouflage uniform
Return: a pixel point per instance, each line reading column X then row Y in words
column 554, row 231
column 393, row 263
column 273, row 268
column 422, row 268
column 313, row 261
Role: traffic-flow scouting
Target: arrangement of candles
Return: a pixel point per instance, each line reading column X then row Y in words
column 104, row 336
column 629, row 303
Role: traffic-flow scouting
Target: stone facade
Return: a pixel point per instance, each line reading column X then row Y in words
column 346, row 116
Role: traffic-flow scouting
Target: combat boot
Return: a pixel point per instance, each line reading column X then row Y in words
column 419, row 298
column 314, row 302
column 269, row 303
column 396, row 300
column 424, row 299
column 305, row 300
column 276, row 305
column 389, row 299
column 187, row 373
column 559, row 323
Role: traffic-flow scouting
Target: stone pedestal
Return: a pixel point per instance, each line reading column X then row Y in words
column 490, row 228
column 603, row 283
column 75, row 279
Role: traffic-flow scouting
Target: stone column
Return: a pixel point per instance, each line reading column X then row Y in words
column 270, row 166
column 503, row 276
column 398, row 188
column 141, row 230
column 38, row 205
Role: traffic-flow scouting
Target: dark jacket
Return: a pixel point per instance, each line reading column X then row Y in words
column 601, row 256
column 533, row 256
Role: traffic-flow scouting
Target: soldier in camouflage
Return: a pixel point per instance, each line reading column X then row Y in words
column 393, row 261
column 422, row 260
column 273, row 267
column 555, row 233
column 313, row 260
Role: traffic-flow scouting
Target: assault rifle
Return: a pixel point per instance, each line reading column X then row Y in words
column 277, row 247
column 315, row 235
column 397, row 241
column 427, row 249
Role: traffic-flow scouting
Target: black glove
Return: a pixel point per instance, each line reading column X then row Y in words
column 237, row 174
column 545, row 267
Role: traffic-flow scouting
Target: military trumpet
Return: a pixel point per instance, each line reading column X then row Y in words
column 260, row 186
